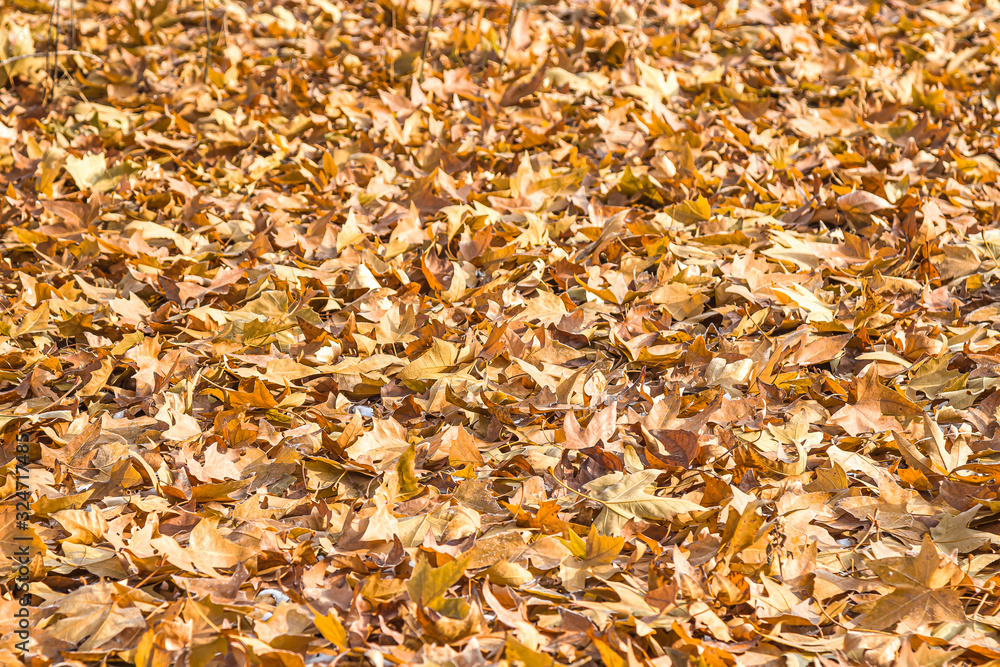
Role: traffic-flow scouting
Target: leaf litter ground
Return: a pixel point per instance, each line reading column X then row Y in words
column 604, row 333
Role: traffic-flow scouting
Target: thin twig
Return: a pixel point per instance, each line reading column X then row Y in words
column 208, row 41
column 636, row 29
column 391, row 62
column 427, row 38
column 53, row 48
column 515, row 7
column 638, row 21
column 570, row 488
column 225, row 27
column 48, row 31
column 46, row 54
column 72, row 25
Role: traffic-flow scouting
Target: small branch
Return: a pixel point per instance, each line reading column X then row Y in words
column 391, row 62
column 636, row 29
column 515, row 7
column 638, row 21
column 427, row 39
column 570, row 488
column 46, row 54
column 53, row 48
column 208, row 41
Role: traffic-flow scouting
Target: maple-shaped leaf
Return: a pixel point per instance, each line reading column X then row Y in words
column 954, row 532
column 926, row 590
column 519, row 654
column 210, row 550
column 94, row 615
column 624, row 498
column 594, row 556
column 917, row 607
column 860, row 201
column 875, row 409
column 427, row 585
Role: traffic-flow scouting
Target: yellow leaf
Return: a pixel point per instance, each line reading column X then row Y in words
column 332, row 630
column 427, row 585
column 519, row 654
column 406, row 472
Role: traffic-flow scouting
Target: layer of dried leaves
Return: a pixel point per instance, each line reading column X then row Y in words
column 662, row 334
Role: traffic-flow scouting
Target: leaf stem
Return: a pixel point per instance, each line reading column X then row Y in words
column 53, row 48
column 208, row 41
column 515, row 7
column 569, row 488
column 46, row 54
column 427, row 39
